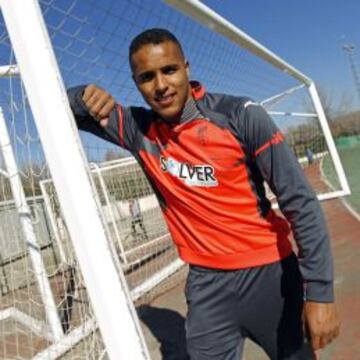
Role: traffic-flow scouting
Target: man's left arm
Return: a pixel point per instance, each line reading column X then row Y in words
column 298, row 202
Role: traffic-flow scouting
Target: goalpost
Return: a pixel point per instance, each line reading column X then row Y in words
column 212, row 20
column 106, row 286
column 94, row 259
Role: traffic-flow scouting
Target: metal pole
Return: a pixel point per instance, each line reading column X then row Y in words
column 98, row 171
column 52, row 220
column 209, row 18
column 105, row 282
column 29, row 234
column 329, row 139
column 350, row 49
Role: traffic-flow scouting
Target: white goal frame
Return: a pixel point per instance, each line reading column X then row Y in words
column 31, row 242
column 209, row 18
column 106, row 284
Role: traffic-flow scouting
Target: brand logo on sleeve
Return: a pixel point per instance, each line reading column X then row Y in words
column 192, row 175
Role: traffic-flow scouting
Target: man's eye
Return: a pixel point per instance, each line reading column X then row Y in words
column 145, row 77
column 169, row 70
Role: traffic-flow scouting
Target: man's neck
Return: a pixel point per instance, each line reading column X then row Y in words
column 189, row 112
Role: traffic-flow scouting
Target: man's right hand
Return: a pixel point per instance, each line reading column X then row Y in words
column 99, row 103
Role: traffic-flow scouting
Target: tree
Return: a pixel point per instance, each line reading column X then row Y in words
column 341, row 121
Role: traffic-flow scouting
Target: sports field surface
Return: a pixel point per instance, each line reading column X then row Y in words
column 351, row 162
column 163, row 319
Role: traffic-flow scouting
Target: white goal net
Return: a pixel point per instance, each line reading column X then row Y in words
column 47, row 307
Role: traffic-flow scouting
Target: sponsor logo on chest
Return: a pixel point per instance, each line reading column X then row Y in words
column 191, row 175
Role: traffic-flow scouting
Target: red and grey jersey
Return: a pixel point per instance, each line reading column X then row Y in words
column 208, row 174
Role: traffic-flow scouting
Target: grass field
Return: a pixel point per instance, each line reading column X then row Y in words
column 351, row 162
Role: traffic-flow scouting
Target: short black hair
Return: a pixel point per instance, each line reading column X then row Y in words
column 153, row 36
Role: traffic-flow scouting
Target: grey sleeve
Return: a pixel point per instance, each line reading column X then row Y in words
column 120, row 129
column 297, row 200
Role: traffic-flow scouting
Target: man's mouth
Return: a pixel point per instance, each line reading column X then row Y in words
column 165, row 100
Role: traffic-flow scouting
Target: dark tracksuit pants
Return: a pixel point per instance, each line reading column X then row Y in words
column 261, row 303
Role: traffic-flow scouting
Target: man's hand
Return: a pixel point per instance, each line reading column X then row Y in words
column 99, row 103
column 322, row 323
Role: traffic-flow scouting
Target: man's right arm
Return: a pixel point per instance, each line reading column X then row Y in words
column 96, row 111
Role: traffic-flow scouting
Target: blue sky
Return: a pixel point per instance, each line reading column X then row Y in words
column 308, row 34
column 91, row 42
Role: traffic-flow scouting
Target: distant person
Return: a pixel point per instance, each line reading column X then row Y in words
column 309, row 156
column 136, row 219
column 207, row 157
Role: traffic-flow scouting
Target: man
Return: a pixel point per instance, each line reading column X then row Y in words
column 207, row 156
column 136, row 219
column 309, row 155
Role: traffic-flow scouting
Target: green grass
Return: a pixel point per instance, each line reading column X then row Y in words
column 351, row 161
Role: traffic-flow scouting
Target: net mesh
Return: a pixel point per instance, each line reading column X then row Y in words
column 90, row 40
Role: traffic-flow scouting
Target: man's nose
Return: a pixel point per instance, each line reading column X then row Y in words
column 161, row 83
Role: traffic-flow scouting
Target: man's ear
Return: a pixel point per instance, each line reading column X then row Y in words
column 187, row 68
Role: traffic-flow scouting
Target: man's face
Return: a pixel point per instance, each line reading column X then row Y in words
column 162, row 76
